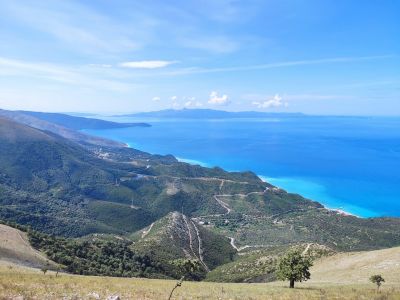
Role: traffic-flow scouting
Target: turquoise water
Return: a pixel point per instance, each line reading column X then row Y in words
column 346, row 163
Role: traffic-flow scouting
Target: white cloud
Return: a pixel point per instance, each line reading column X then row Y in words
column 156, row 98
column 282, row 64
column 187, row 102
column 78, row 76
column 276, row 101
column 189, row 98
column 147, row 64
column 192, row 103
column 218, row 100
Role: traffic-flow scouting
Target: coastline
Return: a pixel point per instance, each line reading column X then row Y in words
column 275, row 182
column 339, row 180
column 305, row 187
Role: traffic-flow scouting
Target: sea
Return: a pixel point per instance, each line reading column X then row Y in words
column 350, row 164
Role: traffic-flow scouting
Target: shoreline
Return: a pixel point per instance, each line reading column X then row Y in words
column 272, row 180
column 268, row 180
column 338, row 210
column 365, row 190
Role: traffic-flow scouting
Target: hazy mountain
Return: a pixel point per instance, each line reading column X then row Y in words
column 78, row 122
column 208, row 114
column 57, row 129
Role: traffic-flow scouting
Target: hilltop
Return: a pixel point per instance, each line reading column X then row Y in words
column 176, row 235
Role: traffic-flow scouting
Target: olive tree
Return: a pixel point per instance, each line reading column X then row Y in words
column 293, row 266
column 377, row 279
column 186, row 267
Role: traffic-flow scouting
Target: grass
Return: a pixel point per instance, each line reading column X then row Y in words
column 14, row 246
column 357, row 267
column 32, row 284
column 339, row 268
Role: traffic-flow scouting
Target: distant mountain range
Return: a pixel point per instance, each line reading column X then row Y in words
column 78, row 123
column 208, row 114
column 67, row 126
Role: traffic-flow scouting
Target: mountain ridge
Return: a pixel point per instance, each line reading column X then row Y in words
column 207, row 113
column 78, row 122
column 65, row 132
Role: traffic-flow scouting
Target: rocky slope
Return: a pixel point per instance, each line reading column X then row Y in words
column 176, row 235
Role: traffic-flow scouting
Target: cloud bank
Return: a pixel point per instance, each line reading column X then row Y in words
column 218, row 100
column 276, row 101
column 147, row 64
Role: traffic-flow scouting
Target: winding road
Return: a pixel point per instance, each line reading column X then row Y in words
column 220, row 202
column 146, row 232
column 200, row 247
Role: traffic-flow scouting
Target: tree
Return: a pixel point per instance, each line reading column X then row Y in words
column 293, row 266
column 44, row 270
column 377, row 279
column 186, row 268
column 59, row 269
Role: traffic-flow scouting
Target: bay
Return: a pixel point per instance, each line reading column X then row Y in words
column 346, row 163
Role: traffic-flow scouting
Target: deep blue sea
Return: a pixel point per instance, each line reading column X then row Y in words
column 347, row 163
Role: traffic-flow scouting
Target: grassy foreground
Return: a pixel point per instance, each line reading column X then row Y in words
column 23, row 283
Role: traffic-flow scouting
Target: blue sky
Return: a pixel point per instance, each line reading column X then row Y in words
column 310, row 56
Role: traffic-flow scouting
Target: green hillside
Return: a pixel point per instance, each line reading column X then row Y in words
column 175, row 236
column 260, row 265
column 64, row 188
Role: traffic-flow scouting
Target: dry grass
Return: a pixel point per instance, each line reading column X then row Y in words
column 32, row 284
column 342, row 276
column 357, row 267
column 14, row 247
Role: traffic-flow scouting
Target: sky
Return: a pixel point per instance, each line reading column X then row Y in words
column 312, row 56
